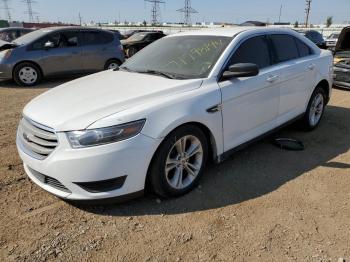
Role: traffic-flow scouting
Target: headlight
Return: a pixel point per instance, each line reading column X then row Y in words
column 101, row 136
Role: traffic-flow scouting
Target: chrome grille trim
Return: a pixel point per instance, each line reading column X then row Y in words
column 35, row 139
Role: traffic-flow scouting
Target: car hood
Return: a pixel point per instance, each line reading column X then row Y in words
column 79, row 103
column 128, row 42
column 6, row 45
column 343, row 40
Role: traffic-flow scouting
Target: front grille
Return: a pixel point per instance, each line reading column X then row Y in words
column 38, row 141
column 49, row 181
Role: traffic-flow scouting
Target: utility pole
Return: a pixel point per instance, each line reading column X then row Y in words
column 279, row 19
column 187, row 10
column 7, row 9
column 155, row 12
column 307, row 11
column 80, row 20
column 30, row 11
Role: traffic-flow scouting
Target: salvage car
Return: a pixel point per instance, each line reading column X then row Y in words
column 11, row 33
column 138, row 41
column 342, row 60
column 179, row 102
column 59, row 51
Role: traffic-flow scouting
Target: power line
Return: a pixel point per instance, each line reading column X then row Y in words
column 7, row 9
column 155, row 11
column 30, row 11
column 187, row 10
column 307, row 11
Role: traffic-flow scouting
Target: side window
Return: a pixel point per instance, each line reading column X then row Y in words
column 40, row 44
column 285, row 48
column 304, row 49
column 254, row 50
column 97, row 38
column 69, row 39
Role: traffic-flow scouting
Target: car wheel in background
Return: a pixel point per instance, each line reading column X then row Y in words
column 315, row 109
column 179, row 162
column 112, row 64
column 131, row 51
column 27, row 74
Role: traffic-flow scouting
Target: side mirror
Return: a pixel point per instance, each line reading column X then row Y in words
column 49, row 45
column 240, row 70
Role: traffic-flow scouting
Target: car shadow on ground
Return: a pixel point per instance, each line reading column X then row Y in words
column 251, row 173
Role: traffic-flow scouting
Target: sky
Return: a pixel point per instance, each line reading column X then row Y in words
column 234, row 11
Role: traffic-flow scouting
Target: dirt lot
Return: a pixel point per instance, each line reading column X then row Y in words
column 262, row 204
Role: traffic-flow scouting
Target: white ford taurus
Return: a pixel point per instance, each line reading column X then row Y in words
column 179, row 102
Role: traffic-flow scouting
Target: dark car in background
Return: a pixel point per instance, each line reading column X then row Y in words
column 11, row 33
column 59, row 51
column 140, row 40
column 315, row 37
column 342, row 60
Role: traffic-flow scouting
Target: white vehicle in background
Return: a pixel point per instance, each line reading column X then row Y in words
column 332, row 40
column 179, row 102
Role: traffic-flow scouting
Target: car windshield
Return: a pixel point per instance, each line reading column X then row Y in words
column 31, row 36
column 183, row 57
column 333, row 36
column 137, row 37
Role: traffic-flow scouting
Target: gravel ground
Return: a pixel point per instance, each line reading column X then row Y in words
column 262, row 204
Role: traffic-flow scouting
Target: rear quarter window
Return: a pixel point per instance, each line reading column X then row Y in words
column 304, row 49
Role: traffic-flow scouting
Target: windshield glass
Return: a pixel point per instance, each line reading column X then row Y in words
column 183, row 56
column 137, row 37
column 333, row 36
column 30, row 37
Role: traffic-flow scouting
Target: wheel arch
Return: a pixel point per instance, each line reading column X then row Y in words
column 208, row 134
column 326, row 87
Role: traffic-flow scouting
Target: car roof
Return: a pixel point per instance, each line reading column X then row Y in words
column 232, row 31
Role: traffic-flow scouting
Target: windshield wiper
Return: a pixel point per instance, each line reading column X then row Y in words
column 125, row 68
column 159, row 73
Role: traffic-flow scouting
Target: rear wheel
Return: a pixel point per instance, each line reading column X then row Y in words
column 27, row 74
column 179, row 162
column 112, row 64
column 131, row 51
column 315, row 109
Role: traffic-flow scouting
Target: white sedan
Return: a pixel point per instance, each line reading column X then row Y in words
column 179, row 102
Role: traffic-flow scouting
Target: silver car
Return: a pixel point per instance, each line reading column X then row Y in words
column 59, row 51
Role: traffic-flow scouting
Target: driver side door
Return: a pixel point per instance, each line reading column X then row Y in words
column 65, row 56
column 250, row 104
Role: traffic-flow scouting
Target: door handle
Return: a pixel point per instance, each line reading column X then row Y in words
column 311, row 67
column 272, row 78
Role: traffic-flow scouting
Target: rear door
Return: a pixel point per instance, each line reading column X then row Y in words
column 65, row 56
column 296, row 71
column 97, row 49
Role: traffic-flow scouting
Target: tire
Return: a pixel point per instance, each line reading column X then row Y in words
column 183, row 172
column 131, row 51
column 27, row 74
column 112, row 64
column 315, row 109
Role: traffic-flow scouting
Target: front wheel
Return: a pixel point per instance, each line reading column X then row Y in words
column 315, row 109
column 27, row 74
column 131, row 51
column 179, row 162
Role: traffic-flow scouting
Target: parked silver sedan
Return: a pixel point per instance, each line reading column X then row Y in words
column 59, row 51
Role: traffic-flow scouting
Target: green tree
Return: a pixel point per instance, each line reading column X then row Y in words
column 296, row 24
column 329, row 21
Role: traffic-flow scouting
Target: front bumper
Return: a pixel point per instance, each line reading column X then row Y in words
column 342, row 77
column 5, row 71
column 70, row 168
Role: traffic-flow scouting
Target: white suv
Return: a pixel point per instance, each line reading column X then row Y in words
column 178, row 102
